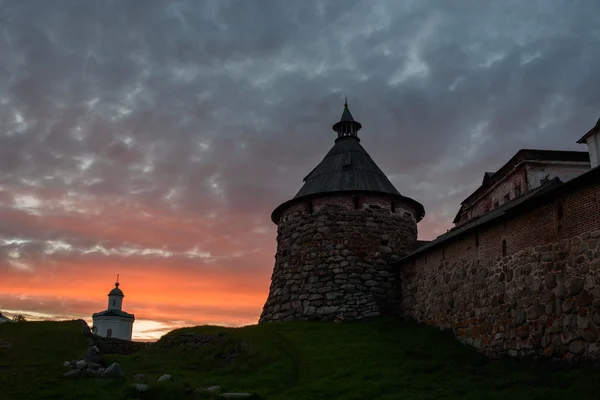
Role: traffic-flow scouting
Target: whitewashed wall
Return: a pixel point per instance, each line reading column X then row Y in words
column 121, row 327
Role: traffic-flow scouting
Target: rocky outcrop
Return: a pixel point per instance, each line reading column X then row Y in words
column 119, row 346
column 543, row 301
column 190, row 340
column 335, row 263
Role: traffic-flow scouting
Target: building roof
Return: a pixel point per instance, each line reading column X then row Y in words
column 491, row 178
column 113, row 313
column 589, row 133
column 532, row 198
column 348, row 168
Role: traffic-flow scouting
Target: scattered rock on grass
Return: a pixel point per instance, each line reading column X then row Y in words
column 113, row 371
column 140, row 377
column 212, row 390
column 235, row 395
column 141, row 387
column 165, row 377
column 74, row 373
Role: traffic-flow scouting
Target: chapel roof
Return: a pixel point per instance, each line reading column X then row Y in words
column 113, row 313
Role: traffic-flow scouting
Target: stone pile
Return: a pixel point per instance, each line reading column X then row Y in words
column 92, row 366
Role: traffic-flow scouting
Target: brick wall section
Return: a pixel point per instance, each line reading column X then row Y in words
column 542, row 297
column 334, row 260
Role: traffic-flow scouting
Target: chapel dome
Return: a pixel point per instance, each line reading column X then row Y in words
column 116, row 291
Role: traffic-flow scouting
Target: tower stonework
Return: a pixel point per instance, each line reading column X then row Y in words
column 337, row 238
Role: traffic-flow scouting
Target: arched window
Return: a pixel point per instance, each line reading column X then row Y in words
column 114, row 303
column 356, row 203
column 503, row 247
column 109, row 333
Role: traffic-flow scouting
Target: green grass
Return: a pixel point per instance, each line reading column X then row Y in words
column 383, row 359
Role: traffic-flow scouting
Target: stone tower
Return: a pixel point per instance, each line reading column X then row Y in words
column 337, row 237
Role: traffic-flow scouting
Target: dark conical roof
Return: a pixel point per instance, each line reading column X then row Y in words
column 346, row 167
column 347, row 115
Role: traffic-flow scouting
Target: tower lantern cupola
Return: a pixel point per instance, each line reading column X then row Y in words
column 347, row 126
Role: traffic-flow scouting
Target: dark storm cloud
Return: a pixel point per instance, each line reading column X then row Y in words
column 196, row 110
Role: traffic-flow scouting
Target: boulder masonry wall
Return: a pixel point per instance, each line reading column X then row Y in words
column 333, row 258
column 527, row 285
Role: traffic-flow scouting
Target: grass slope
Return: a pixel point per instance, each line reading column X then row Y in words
column 382, row 359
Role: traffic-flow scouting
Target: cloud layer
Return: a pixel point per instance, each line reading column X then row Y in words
column 154, row 138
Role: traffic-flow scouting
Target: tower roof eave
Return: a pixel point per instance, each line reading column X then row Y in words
column 419, row 209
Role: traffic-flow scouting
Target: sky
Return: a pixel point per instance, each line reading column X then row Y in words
column 152, row 139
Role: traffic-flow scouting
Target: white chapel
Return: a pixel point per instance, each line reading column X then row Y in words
column 114, row 322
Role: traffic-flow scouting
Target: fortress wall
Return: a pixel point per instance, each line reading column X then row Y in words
column 333, row 260
column 542, row 297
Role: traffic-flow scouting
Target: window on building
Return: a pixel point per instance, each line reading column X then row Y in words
column 476, row 240
column 503, row 247
column 109, row 333
column 310, row 207
column 559, row 212
column 517, row 190
column 393, row 207
column 356, row 202
column 497, row 204
column 559, row 216
column 506, row 197
column 114, row 303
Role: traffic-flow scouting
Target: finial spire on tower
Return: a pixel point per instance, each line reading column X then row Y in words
column 117, row 283
column 347, row 126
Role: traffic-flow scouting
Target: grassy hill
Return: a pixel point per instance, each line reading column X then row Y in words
column 381, row 359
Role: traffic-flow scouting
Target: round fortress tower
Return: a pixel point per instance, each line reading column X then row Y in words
column 337, row 237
